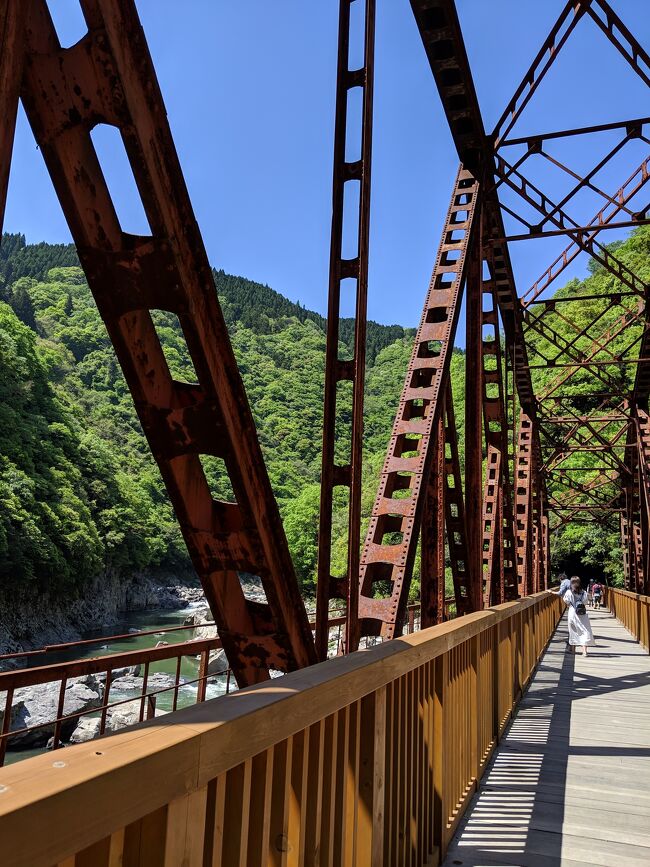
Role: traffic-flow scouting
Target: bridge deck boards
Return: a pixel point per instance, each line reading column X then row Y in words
column 570, row 782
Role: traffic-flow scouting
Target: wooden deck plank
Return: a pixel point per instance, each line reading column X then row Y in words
column 569, row 783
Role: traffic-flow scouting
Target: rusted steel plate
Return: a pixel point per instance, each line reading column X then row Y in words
column 389, row 550
column 108, row 77
column 338, row 370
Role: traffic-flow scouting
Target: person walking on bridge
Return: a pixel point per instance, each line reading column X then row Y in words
column 580, row 634
column 598, row 594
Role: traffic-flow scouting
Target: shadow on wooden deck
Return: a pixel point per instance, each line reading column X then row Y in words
column 570, row 781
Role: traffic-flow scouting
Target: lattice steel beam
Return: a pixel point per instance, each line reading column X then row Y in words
column 432, row 547
column 352, row 369
column 523, row 502
column 108, row 77
column 455, row 514
column 387, row 559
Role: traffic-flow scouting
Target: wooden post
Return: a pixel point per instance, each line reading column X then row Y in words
column 439, row 812
column 372, row 789
column 185, row 830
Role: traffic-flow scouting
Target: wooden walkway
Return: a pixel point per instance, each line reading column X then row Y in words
column 570, row 782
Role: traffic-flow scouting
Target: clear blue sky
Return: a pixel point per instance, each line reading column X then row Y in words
column 249, row 89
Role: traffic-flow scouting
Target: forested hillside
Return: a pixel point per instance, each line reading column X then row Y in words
column 79, row 491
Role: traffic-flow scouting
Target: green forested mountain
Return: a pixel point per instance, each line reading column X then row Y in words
column 79, row 491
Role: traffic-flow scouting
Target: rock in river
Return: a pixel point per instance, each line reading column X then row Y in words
column 35, row 708
column 119, row 717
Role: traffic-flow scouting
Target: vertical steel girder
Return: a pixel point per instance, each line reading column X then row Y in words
column 474, row 419
column 640, row 573
column 523, row 503
column 625, row 544
column 432, row 548
column 495, row 422
column 643, row 471
column 389, row 550
column 108, row 78
column 493, row 573
column 455, row 513
column 352, row 370
column 444, row 508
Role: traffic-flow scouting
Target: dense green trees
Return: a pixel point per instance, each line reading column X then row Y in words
column 79, row 491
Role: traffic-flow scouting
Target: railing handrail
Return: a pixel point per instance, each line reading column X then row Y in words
column 185, row 751
column 633, row 611
column 18, row 677
column 335, row 620
column 631, row 593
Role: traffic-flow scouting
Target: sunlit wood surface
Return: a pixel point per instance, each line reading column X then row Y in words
column 570, row 782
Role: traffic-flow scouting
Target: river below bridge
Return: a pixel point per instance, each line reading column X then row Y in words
column 132, row 625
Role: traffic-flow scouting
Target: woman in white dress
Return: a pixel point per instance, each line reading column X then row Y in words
column 580, row 634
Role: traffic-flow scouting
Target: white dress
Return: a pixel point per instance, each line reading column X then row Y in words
column 579, row 626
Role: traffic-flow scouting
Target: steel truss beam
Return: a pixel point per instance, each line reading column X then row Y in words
column 498, row 561
column 455, row 516
column 432, row 547
column 444, row 508
column 524, row 471
column 389, row 550
column 108, row 77
column 337, row 370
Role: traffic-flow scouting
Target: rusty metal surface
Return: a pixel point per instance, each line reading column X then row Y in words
column 523, row 504
column 338, row 370
column 517, row 439
column 432, row 546
column 11, row 51
column 108, row 77
column 389, row 549
column 455, row 513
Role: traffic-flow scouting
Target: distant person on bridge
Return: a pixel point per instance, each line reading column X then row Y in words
column 597, row 590
column 580, row 634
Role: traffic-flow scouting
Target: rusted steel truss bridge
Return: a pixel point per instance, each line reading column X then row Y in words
column 521, row 480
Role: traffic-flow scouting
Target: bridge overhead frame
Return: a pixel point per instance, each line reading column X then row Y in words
column 492, row 518
column 522, row 451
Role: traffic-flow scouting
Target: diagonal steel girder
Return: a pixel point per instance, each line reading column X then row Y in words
column 439, row 27
column 108, row 77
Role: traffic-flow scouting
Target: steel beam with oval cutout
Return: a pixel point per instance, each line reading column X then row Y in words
column 108, row 77
column 389, row 550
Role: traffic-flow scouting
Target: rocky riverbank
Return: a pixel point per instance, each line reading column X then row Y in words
column 28, row 622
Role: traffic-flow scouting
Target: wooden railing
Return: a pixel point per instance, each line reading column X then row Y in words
column 12, row 733
column 365, row 759
column 633, row 611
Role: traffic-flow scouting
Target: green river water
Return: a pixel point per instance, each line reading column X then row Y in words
column 143, row 621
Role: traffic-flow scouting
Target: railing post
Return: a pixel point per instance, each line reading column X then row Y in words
column 185, row 831
column 474, row 710
column 372, row 780
column 439, row 812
